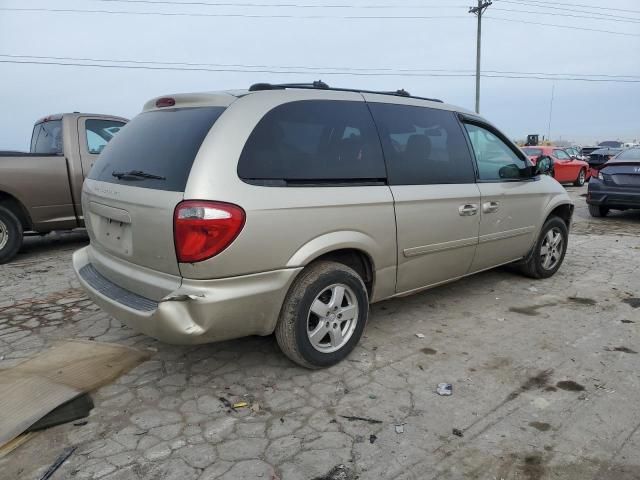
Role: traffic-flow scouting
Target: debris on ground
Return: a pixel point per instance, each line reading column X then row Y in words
column 58, row 463
column 238, row 405
column 420, row 335
column 38, row 386
column 400, row 428
column 633, row 302
column 457, row 432
column 70, row 411
column 339, row 472
column 226, row 402
column 620, row 349
column 372, row 438
column 353, row 418
column 444, row 389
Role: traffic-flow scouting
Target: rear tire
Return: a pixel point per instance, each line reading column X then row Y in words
column 548, row 253
column 323, row 315
column 582, row 177
column 10, row 235
column 598, row 211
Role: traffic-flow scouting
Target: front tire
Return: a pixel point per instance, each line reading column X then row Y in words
column 10, row 235
column 323, row 315
column 582, row 177
column 598, row 211
column 549, row 251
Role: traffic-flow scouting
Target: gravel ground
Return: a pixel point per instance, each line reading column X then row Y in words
column 545, row 375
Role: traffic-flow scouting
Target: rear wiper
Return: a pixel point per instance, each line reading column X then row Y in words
column 137, row 173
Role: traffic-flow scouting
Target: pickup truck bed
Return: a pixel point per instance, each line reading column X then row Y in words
column 40, row 190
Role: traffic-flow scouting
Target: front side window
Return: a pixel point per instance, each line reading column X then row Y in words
column 314, row 140
column 100, row 132
column 47, row 138
column 422, row 146
column 561, row 155
column 496, row 160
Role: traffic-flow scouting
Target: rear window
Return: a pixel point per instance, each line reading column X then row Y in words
column 47, row 138
column 313, row 141
column 100, row 132
column 532, row 152
column 630, row 155
column 162, row 143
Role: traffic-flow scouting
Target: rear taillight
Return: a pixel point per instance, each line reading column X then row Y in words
column 203, row 229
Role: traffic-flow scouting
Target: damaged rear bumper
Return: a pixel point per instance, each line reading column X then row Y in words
column 199, row 311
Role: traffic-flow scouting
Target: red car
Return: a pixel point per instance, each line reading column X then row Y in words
column 566, row 169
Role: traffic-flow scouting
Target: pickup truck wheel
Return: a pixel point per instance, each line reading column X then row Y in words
column 323, row 315
column 598, row 211
column 582, row 176
column 548, row 252
column 10, row 235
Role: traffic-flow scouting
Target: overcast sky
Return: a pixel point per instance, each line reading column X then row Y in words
column 582, row 111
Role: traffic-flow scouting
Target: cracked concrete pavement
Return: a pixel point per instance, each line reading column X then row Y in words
column 545, row 380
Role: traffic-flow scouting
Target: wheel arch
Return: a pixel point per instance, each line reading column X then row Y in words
column 17, row 208
column 353, row 249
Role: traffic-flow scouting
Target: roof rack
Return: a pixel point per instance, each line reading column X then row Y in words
column 320, row 85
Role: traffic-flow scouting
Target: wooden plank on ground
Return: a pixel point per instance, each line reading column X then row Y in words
column 35, row 387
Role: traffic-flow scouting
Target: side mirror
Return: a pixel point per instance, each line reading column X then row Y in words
column 509, row 171
column 544, row 165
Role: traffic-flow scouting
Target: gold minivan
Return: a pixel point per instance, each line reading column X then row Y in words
column 290, row 208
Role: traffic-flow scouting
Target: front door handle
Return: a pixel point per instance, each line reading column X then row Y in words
column 490, row 207
column 468, row 209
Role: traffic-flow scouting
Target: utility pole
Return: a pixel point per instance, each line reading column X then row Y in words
column 553, row 87
column 478, row 11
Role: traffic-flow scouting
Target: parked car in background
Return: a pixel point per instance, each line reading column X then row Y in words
column 566, row 169
column 611, row 144
column 599, row 157
column 617, row 185
column 40, row 191
column 586, row 151
column 576, row 152
column 290, row 208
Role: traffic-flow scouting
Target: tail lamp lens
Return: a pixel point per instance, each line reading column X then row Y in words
column 204, row 229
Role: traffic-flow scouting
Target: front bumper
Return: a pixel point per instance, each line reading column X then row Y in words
column 611, row 196
column 199, row 311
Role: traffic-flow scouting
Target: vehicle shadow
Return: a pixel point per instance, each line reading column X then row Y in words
column 51, row 243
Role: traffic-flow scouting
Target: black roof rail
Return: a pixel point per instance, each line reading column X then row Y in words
column 320, row 85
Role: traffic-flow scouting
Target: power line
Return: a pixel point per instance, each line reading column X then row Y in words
column 564, row 26
column 323, row 68
column 301, row 72
column 241, row 15
column 582, row 5
column 276, row 5
column 567, row 9
column 635, row 20
column 354, row 17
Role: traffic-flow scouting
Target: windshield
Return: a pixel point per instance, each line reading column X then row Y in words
column 533, row 152
column 159, row 146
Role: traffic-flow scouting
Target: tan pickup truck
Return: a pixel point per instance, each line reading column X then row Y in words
column 40, row 190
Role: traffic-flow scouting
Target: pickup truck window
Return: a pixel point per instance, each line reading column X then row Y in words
column 47, row 138
column 99, row 132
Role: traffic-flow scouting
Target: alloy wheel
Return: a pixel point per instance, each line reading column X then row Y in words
column 552, row 249
column 332, row 318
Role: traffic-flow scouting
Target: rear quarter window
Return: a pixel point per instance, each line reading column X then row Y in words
column 313, row 141
column 163, row 143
